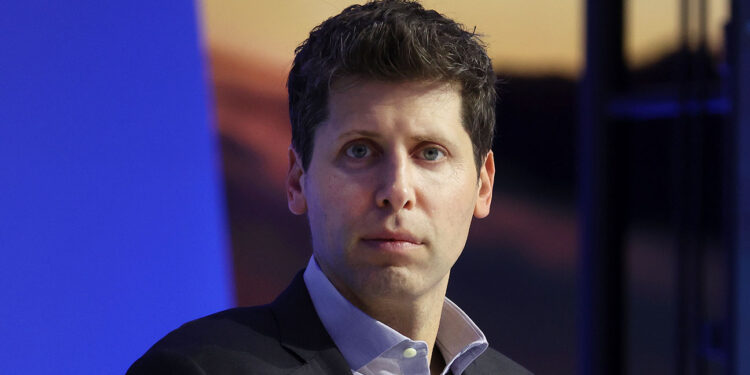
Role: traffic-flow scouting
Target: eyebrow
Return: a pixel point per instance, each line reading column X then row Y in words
column 363, row 133
column 433, row 139
column 418, row 138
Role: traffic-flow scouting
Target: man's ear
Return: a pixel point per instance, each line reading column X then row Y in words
column 295, row 194
column 486, row 181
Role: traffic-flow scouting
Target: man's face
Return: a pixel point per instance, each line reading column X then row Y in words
column 391, row 189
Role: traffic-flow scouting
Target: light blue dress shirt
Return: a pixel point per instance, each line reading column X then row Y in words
column 373, row 348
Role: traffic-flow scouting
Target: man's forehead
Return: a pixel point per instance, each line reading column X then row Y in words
column 413, row 111
column 359, row 97
column 416, row 101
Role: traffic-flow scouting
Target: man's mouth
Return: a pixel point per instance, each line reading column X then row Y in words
column 392, row 240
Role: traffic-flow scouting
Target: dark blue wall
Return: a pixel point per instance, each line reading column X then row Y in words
column 111, row 212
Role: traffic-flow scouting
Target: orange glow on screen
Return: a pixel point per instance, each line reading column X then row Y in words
column 526, row 37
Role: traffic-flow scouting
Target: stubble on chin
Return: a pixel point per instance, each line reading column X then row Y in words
column 391, row 283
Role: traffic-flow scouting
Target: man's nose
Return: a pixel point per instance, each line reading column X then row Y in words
column 395, row 186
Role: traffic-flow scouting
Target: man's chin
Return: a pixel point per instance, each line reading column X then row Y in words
column 392, row 282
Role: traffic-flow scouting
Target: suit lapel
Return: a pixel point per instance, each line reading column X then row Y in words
column 472, row 369
column 301, row 332
column 492, row 362
column 326, row 362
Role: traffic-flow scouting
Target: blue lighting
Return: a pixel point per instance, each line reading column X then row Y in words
column 111, row 212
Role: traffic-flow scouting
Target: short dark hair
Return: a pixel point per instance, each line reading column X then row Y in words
column 395, row 41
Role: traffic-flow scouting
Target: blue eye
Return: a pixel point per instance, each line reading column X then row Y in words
column 432, row 154
column 358, row 151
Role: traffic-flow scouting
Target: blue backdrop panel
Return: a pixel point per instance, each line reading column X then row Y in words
column 111, row 222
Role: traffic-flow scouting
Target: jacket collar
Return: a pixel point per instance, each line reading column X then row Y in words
column 301, row 332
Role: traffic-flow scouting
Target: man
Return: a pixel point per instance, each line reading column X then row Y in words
column 392, row 111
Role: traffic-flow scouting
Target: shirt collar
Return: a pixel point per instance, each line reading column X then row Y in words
column 459, row 339
column 361, row 339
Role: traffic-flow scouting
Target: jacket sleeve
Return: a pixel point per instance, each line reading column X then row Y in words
column 163, row 362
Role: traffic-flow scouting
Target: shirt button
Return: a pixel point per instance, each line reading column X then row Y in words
column 410, row 353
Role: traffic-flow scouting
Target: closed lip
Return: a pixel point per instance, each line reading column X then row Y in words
column 393, row 237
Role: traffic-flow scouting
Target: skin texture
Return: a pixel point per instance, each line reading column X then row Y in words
column 390, row 193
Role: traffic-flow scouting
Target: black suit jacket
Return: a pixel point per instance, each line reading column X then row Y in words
column 285, row 337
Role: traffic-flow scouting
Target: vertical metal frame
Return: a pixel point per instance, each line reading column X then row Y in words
column 602, row 303
column 740, row 205
column 601, row 231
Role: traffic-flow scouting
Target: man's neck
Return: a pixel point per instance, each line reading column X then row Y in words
column 416, row 318
column 437, row 363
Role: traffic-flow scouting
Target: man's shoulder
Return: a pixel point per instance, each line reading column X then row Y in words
column 280, row 338
column 494, row 362
column 231, row 341
column 235, row 327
